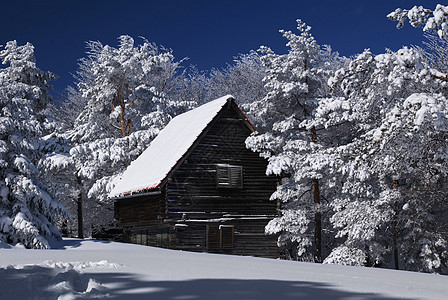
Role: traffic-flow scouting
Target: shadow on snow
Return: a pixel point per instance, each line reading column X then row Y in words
column 73, row 243
column 46, row 283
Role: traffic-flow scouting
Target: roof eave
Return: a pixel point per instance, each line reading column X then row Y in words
column 146, row 192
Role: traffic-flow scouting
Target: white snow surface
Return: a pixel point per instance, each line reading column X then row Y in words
column 89, row 269
column 152, row 166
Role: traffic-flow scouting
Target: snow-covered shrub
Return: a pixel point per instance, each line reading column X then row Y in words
column 344, row 255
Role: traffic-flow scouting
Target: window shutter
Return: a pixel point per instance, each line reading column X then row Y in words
column 222, row 174
column 220, row 236
column 236, row 176
column 229, row 176
column 212, row 237
column 226, row 236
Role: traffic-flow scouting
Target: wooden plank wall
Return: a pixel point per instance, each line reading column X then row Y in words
column 192, row 194
column 249, row 238
column 178, row 217
column 140, row 210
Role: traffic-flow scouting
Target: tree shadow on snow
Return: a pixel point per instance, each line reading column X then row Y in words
column 38, row 282
column 130, row 287
column 67, row 243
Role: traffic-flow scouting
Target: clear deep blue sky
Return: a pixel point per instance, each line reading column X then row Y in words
column 210, row 33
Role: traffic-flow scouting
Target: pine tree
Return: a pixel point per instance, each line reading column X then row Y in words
column 27, row 211
column 295, row 82
column 390, row 96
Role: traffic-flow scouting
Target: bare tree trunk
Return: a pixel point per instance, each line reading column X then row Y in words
column 317, row 214
column 124, row 129
column 125, row 124
column 317, row 223
column 122, row 110
column 395, row 225
column 80, row 215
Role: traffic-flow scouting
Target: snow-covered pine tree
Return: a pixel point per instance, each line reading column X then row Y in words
column 434, row 22
column 126, row 91
column 290, row 141
column 412, row 145
column 395, row 167
column 418, row 128
column 27, row 211
column 385, row 150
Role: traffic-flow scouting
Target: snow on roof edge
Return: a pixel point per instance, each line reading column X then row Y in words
column 148, row 171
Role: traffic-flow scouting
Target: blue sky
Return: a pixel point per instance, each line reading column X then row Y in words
column 210, row 33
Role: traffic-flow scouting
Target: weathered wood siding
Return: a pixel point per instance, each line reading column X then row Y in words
column 193, row 198
column 249, row 238
column 140, row 209
column 141, row 214
column 191, row 202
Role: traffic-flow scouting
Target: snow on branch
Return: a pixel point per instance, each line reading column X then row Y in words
column 436, row 20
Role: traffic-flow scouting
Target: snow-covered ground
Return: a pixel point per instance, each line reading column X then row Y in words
column 87, row 269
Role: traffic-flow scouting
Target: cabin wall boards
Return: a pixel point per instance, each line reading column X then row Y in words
column 215, row 195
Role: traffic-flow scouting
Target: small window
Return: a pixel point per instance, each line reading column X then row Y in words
column 219, row 237
column 229, row 176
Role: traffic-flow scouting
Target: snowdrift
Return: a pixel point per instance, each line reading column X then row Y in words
column 87, row 269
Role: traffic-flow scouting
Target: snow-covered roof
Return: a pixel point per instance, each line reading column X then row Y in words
column 155, row 163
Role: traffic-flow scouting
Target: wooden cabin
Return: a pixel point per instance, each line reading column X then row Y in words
column 198, row 188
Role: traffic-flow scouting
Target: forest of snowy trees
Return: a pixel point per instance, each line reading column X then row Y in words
column 360, row 143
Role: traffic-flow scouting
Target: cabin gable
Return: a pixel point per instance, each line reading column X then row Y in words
column 195, row 183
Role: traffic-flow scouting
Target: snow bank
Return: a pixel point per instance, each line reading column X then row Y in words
column 52, row 280
column 86, row 269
